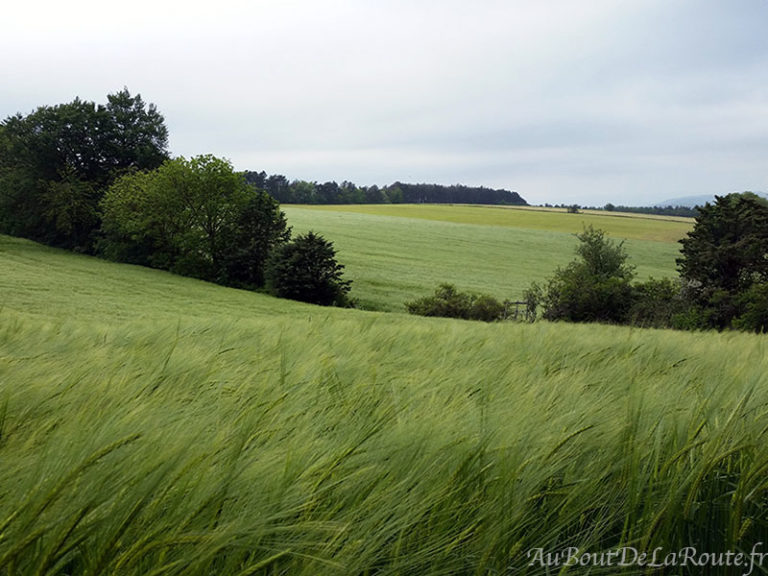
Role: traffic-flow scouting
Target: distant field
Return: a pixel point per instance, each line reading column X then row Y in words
column 152, row 424
column 395, row 253
column 617, row 224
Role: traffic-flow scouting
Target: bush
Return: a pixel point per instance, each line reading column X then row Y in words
column 306, row 269
column 754, row 303
column 447, row 302
column 658, row 304
column 487, row 309
column 594, row 288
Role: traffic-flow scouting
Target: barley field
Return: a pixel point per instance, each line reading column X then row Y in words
column 152, row 424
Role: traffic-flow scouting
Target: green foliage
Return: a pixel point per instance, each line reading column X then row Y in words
column 594, row 288
column 448, row 302
column 131, row 227
column 659, row 303
column 328, row 193
column 487, row 309
column 306, row 269
column 70, row 208
column 193, row 217
column 400, row 192
column 394, row 193
column 602, row 258
column 753, row 304
column 135, row 137
column 259, row 227
column 56, row 162
column 724, row 261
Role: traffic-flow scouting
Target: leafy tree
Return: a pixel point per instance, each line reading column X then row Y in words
column 303, row 192
column 306, row 269
column 373, row 195
column 394, row 194
column 278, row 186
column 135, row 136
column 328, row 193
column 257, row 179
column 195, row 217
column 351, row 194
column 133, row 228
column 593, row 288
column 724, row 261
column 56, row 162
column 50, row 146
column 70, row 206
column 259, row 228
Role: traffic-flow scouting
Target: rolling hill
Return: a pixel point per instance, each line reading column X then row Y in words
column 153, row 424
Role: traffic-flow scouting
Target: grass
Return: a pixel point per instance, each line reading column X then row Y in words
column 617, row 224
column 396, row 253
column 151, row 424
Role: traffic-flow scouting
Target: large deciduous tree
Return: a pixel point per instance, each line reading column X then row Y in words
column 135, row 136
column 724, row 262
column 56, row 162
column 195, row 217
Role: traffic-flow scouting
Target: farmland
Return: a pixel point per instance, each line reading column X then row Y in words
column 153, row 424
column 395, row 253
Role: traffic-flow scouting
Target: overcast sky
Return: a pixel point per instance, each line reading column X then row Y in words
column 587, row 101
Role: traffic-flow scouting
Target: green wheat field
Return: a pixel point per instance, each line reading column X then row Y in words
column 395, row 252
column 157, row 425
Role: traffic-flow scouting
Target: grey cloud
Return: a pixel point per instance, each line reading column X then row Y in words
column 589, row 101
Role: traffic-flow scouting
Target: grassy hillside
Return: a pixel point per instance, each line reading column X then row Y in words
column 151, row 424
column 395, row 253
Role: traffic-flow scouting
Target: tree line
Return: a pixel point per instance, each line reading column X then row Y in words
column 99, row 179
column 304, row 192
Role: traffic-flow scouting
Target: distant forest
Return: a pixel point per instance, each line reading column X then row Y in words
column 303, row 192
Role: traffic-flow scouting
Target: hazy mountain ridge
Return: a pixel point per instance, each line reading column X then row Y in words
column 695, row 200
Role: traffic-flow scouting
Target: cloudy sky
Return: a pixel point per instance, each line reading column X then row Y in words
column 587, row 101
